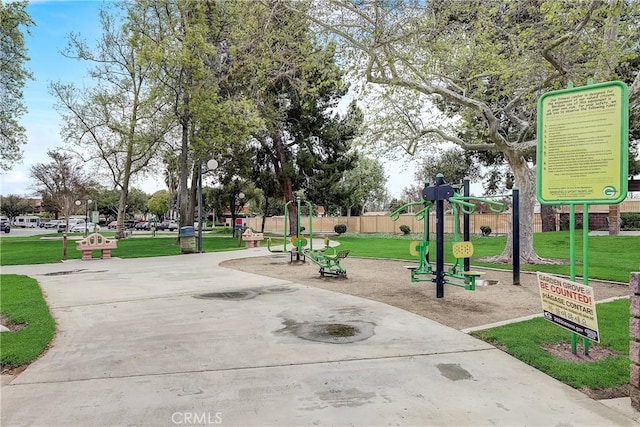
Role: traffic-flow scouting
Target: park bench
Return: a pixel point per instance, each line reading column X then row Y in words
column 96, row 241
column 252, row 239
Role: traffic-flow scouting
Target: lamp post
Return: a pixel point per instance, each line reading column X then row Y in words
column 211, row 165
column 86, row 214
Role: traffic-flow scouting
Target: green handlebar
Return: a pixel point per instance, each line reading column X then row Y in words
column 395, row 215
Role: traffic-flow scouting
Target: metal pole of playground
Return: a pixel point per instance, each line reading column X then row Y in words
column 439, row 238
column 465, row 221
column 515, row 234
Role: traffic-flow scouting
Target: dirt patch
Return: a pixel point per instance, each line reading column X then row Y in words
column 562, row 350
column 596, row 352
column 6, row 322
column 389, row 282
column 608, row 393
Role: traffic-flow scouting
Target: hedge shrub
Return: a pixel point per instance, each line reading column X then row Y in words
column 340, row 228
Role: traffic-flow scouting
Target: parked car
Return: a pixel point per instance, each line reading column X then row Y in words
column 167, row 225
column 53, row 223
column 129, row 224
column 142, row 225
column 112, row 225
column 5, row 226
column 82, row 227
column 62, row 226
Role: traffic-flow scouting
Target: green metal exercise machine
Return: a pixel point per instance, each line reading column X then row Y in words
column 436, row 195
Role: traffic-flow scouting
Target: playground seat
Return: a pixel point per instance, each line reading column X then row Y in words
column 472, row 273
column 329, row 261
column 462, row 249
column 470, row 278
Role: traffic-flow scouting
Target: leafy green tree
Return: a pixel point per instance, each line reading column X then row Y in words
column 137, row 201
column 486, row 63
column 14, row 22
column 159, row 203
column 119, row 122
column 364, row 184
column 187, row 41
column 455, row 164
column 62, row 181
column 296, row 83
column 13, row 205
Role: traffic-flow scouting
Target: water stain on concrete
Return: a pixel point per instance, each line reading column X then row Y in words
column 351, row 397
column 453, row 371
column 329, row 332
column 245, row 294
column 229, row 295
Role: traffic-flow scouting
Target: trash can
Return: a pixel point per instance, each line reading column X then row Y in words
column 187, row 237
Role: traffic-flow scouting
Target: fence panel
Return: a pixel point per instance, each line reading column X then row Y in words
column 499, row 223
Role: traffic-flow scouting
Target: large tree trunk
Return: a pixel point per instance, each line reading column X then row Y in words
column 607, row 63
column 122, row 203
column 183, row 193
column 526, row 182
column 286, row 182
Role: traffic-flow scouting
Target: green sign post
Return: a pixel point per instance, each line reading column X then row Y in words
column 583, row 155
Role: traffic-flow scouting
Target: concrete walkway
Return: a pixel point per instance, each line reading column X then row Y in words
column 139, row 343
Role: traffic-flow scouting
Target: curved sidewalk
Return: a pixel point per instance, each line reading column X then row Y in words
column 139, row 343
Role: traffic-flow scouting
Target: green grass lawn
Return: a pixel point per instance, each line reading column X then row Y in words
column 22, row 303
column 34, row 250
column 524, row 341
column 610, row 257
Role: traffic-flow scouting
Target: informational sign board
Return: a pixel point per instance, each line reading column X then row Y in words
column 583, row 145
column 570, row 305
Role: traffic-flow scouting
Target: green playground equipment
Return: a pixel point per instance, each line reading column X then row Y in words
column 298, row 242
column 419, row 249
column 328, row 260
column 456, row 275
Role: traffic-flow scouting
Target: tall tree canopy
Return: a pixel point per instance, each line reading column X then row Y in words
column 296, row 83
column 119, row 122
column 487, row 62
column 187, row 41
column 14, row 22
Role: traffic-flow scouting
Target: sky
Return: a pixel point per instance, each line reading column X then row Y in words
column 54, row 20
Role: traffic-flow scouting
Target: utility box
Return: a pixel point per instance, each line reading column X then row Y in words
column 187, row 237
